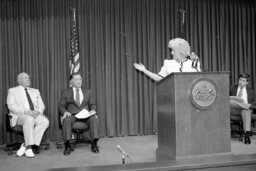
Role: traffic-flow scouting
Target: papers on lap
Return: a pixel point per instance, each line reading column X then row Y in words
column 238, row 102
column 236, row 98
column 84, row 114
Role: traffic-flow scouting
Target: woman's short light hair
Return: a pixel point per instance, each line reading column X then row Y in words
column 180, row 45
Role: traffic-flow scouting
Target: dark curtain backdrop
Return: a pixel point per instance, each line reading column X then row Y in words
column 113, row 34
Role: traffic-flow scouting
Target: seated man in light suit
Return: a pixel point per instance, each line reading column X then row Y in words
column 242, row 101
column 26, row 108
column 71, row 102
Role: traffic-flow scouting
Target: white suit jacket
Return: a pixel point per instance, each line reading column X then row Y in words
column 171, row 66
column 17, row 102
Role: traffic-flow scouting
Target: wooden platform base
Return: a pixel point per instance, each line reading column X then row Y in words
column 213, row 163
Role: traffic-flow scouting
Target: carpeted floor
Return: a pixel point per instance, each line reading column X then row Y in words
column 139, row 148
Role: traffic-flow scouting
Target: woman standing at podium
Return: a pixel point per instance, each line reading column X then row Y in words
column 183, row 61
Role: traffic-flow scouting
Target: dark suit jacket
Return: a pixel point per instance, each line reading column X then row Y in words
column 251, row 95
column 67, row 102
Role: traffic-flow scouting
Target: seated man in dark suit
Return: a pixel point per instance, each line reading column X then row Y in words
column 72, row 101
column 242, row 102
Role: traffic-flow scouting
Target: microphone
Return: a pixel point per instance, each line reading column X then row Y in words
column 195, row 59
column 122, row 151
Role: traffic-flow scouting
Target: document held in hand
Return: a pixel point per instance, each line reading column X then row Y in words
column 238, row 101
column 84, row 114
column 236, row 98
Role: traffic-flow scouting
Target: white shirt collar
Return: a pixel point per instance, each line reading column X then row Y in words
column 74, row 89
column 23, row 88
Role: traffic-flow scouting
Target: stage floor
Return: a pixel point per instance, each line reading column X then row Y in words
column 139, row 148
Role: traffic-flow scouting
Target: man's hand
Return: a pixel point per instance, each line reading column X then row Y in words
column 33, row 113
column 28, row 113
column 250, row 106
column 20, row 113
column 92, row 112
column 66, row 114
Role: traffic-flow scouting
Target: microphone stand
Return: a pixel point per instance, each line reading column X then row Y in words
column 123, row 158
column 123, row 153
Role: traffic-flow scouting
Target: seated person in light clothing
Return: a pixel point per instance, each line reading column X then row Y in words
column 183, row 61
column 242, row 101
column 26, row 108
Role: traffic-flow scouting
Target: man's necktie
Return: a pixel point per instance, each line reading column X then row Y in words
column 31, row 106
column 77, row 96
column 240, row 93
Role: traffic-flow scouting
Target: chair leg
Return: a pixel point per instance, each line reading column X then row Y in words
column 78, row 137
column 76, row 140
column 240, row 128
column 45, row 144
column 60, row 144
column 12, row 147
column 73, row 142
column 80, row 140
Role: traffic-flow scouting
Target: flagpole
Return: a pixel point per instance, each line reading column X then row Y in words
column 74, row 13
column 74, row 61
column 182, row 22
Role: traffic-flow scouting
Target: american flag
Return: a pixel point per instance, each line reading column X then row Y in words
column 74, row 63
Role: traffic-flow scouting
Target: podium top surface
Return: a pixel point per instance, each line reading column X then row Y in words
column 193, row 73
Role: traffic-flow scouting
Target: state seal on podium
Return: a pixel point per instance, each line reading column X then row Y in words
column 203, row 93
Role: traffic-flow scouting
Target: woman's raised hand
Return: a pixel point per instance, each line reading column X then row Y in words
column 139, row 66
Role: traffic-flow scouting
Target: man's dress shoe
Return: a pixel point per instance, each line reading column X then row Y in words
column 67, row 151
column 247, row 139
column 72, row 148
column 35, row 149
column 21, row 151
column 29, row 153
column 95, row 148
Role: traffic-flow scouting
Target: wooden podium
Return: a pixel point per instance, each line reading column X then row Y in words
column 193, row 115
